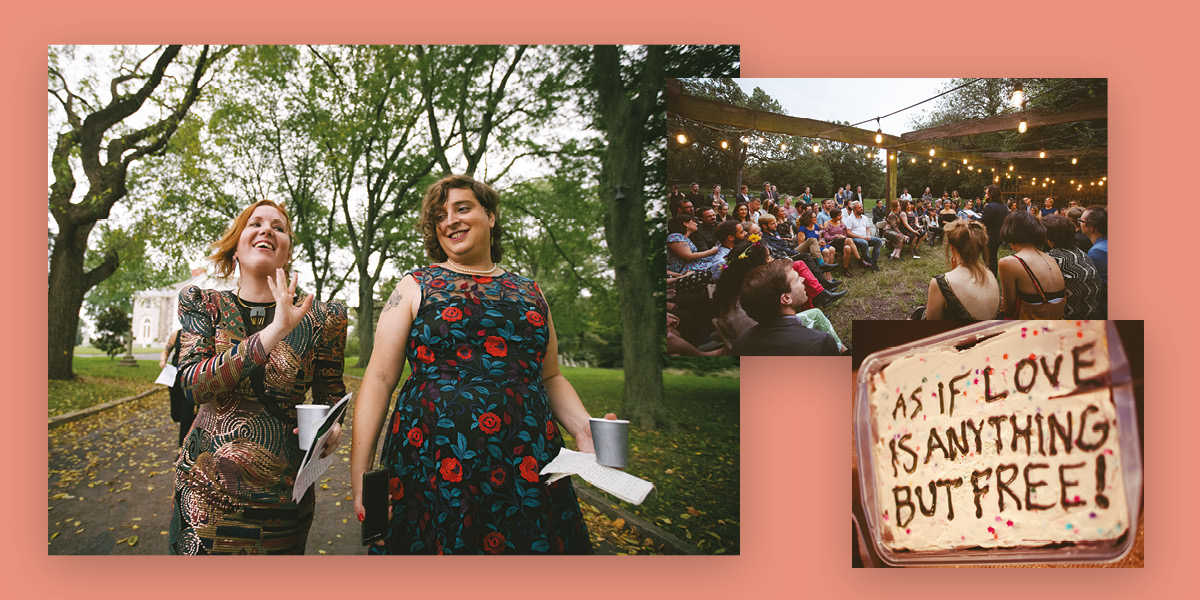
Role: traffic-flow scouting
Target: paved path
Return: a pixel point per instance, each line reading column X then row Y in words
column 110, row 483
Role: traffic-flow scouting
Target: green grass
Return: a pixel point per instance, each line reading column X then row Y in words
column 693, row 462
column 98, row 380
column 893, row 292
column 88, row 350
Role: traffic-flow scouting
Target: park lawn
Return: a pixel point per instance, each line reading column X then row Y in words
column 694, row 464
column 98, row 380
column 891, row 293
column 89, row 350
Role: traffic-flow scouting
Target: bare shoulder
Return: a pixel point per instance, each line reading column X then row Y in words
column 406, row 294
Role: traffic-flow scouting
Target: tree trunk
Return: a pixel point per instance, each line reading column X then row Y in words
column 366, row 316
column 68, row 284
column 622, row 178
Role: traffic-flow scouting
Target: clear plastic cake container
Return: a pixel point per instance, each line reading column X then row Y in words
column 1122, row 395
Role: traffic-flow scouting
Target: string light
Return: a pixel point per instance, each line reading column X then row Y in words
column 682, row 139
column 816, row 148
column 1074, row 160
column 782, row 147
column 878, row 132
column 724, row 145
column 932, row 153
column 1072, row 182
column 1018, row 95
column 943, row 164
column 964, row 161
column 913, row 160
column 1022, row 126
column 1101, row 184
column 1010, row 168
column 1042, row 154
column 958, row 171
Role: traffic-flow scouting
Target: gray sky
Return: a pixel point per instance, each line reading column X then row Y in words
column 851, row 100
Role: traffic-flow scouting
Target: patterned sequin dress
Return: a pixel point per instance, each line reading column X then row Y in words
column 234, row 475
column 472, row 426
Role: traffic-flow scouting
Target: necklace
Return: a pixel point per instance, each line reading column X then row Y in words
column 258, row 314
column 468, row 270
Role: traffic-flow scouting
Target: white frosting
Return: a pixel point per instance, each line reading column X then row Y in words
column 924, row 369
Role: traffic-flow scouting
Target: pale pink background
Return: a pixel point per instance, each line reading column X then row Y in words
column 795, row 422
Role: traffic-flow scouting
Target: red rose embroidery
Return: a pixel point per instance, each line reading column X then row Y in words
column 396, row 488
column 496, row 346
column 451, row 313
column 489, row 422
column 508, row 284
column 451, row 469
column 464, row 352
column 529, row 468
column 483, row 280
column 497, row 477
column 425, row 355
column 550, row 429
column 493, row 542
column 437, row 283
column 416, row 437
column 535, row 318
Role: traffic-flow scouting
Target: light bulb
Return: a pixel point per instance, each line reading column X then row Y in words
column 1022, row 126
column 816, row 148
column 682, row 139
column 1074, row 161
column 1042, row 154
column 1101, row 182
column 913, row 160
column 943, row 164
column 724, row 144
column 1018, row 95
column 931, row 152
column 1010, row 168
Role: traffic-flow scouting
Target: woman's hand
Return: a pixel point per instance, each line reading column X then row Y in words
column 332, row 442
column 287, row 315
column 583, row 441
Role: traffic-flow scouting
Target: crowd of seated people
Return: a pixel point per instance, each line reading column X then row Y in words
column 1057, row 266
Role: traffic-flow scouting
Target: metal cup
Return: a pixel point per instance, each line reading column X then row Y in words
column 611, row 440
column 308, row 418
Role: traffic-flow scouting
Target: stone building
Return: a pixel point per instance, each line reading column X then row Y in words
column 156, row 312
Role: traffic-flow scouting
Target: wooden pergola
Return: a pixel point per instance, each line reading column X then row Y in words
column 1051, row 164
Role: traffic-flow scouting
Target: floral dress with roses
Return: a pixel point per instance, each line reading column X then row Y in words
column 472, row 426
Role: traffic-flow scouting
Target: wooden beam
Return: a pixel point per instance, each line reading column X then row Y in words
column 1057, row 153
column 721, row 113
column 1034, row 118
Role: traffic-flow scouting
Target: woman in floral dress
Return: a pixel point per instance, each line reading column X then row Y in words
column 476, row 421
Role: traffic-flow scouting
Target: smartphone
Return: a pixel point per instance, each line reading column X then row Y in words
column 375, row 505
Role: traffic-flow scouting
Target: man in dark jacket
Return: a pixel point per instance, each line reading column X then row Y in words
column 994, row 213
column 771, row 295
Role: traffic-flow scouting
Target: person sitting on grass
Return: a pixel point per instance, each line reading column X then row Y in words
column 908, row 217
column 772, row 294
column 1095, row 227
column 837, row 235
column 969, row 291
column 682, row 255
column 858, row 228
column 1031, row 282
column 779, row 246
column 1086, row 297
column 893, row 229
column 731, row 321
